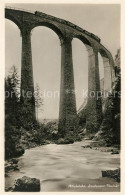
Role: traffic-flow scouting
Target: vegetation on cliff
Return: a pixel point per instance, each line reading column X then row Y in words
column 110, row 127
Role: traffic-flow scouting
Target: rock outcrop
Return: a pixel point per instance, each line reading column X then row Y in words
column 115, row 174
column 26, row 184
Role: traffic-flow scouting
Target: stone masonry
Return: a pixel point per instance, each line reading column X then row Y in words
column 66, row 31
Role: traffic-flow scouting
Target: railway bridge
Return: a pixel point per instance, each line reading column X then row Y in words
column 66, row 31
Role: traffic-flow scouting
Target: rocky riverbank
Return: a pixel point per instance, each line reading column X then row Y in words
column 96, row 145
column 66, row 164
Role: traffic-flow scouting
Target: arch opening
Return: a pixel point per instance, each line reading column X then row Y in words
column 107, row 70
column 46, row 55
column 80, row 62
column 13, row 45
column 101, row 71
column 50, row 26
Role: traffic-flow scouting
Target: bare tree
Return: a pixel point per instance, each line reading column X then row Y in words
column 38, row 100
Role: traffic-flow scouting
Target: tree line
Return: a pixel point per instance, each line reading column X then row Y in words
column 17, row 115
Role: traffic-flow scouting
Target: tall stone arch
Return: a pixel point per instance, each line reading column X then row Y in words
column 94, row 103
column 107, row 70
column 93, row 109
column 66, row 31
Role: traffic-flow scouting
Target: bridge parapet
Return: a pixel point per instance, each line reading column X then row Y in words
column 62, row 21
column 51, row 19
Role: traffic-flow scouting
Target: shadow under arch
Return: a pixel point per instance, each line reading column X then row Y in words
column 103, row 53
column 83, row 39
column 13, row 19
column 50, row 26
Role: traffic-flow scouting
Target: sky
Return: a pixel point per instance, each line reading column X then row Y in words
column 102, row 20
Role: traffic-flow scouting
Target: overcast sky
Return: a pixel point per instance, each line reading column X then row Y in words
column 102, row 20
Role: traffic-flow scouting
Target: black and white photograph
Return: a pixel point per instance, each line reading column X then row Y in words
column 62, row 97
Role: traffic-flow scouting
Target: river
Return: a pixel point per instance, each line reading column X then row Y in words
column 67, row 168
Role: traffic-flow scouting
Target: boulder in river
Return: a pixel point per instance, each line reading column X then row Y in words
column 115, row 174
column 115, row 152
column 26, row 184
column 65, row 141
column 86, row 146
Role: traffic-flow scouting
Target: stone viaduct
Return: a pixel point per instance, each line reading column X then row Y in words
column 66, row 31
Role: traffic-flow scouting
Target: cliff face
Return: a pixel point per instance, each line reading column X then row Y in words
column 109, row 130
column 110, row 127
